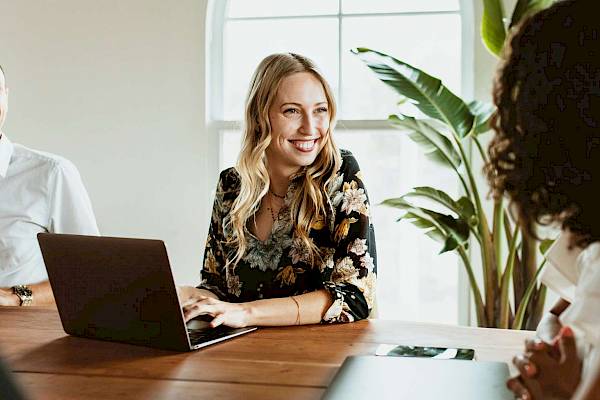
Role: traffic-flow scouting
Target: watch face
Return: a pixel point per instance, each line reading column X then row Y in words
column 22, row 290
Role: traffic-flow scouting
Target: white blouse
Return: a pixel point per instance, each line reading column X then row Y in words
column 575, row 275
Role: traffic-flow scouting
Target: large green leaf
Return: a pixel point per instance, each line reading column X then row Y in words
column 426, row 92
column 466, row 210
column 431, row 230
column 493, row 32
column 463, row 207
column 436, row 195
column 449, row 226
column 482, row 112
column 438, row 147
column 526, row 7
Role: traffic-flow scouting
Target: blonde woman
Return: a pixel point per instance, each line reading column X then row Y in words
column 290, row 238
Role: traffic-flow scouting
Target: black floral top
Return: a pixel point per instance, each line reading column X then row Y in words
column 278, row 267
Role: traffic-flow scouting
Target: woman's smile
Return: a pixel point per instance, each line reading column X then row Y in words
column 305, row 146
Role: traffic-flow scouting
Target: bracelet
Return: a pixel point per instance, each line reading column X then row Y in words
column 297, row 322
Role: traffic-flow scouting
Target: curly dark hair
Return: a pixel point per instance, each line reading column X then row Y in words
column 546, row 149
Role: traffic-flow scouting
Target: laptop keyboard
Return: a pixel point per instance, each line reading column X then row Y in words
column 204, row 335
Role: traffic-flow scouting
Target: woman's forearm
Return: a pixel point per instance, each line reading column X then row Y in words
column 307, row 308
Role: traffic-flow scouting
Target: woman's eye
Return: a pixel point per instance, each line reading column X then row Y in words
column 322, row 110
column 291, row 111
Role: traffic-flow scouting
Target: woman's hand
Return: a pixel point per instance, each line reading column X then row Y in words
column 548, row 371
column 235, row 315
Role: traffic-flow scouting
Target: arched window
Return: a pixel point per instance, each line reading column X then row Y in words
column 414, row 282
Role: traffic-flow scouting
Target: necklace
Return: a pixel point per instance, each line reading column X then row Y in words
column 276, row 195
column 271, row 208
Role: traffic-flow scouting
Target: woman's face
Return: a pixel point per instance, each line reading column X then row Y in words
column 299, row 119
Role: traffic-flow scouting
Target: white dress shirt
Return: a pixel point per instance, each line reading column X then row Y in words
column 575, row 275
column 39, row 192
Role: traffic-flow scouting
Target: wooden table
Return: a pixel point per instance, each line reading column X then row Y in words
column 270, row 363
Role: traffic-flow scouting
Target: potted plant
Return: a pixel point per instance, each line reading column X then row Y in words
column 450, row 128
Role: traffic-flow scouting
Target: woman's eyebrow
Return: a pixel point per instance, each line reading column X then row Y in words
column 291, row 103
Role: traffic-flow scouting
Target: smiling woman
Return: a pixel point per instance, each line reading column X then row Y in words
column 290, row 239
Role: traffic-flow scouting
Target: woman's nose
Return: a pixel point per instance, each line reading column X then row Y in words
column 308, row 126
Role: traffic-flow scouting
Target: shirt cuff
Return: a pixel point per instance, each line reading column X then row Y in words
column 339, row 310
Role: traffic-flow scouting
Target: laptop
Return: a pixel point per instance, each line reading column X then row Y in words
column 122, row 290
column 375, row 377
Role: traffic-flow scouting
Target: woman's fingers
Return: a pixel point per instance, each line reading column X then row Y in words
column 518, row 388
column 525, row 366
column 199, row 298
column 219, row 319
column 567, row 345
column 536, row 345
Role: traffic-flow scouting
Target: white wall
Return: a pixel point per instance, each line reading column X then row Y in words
column 118, row 88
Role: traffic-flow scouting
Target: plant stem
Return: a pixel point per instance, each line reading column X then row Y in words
column 538, row 309
column 529, row 266
column 479, row 147
column 504, row 300
column 518, row 285
column 490, row 274
column 479, row 308
column 497, row 231
column 519, row 315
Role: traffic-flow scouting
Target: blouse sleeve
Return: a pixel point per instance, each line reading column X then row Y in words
column 213, row 269
column 349, row 273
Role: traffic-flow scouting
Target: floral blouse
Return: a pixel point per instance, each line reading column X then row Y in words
column 279, row 267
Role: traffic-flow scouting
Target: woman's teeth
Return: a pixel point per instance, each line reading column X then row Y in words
column 304, row 145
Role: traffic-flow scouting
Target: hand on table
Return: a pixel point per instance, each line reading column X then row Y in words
column 547, row 371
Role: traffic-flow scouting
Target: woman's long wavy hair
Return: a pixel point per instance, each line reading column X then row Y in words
column 309, row 203
column 546, row 150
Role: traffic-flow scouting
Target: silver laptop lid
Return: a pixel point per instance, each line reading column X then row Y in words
column 374, row 377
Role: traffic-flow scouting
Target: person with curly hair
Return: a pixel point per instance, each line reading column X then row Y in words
column 545, row 156
column 290, row 240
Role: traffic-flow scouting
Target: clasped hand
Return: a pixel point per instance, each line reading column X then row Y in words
column 196, row 302
column 547, row 370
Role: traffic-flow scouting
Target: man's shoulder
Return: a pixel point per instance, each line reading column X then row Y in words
column 41, row 159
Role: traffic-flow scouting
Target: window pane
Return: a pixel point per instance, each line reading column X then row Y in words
column 414, row 282
column 270, row 8
column 428, row 42
column 248, row 42
column 231, row 143
column 396, row 6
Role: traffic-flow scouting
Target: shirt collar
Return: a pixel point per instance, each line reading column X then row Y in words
column 564, row 258
column 6, row 151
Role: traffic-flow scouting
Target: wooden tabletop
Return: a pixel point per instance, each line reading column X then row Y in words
column 270, row 363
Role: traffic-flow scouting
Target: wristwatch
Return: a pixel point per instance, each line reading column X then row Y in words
column 24, row 293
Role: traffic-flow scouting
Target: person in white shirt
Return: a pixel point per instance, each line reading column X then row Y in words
column 545, row 157
column 39, row 192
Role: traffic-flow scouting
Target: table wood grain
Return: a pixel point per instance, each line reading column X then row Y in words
column 270, row 363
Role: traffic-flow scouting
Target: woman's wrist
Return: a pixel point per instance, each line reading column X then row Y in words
column 250, row 313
